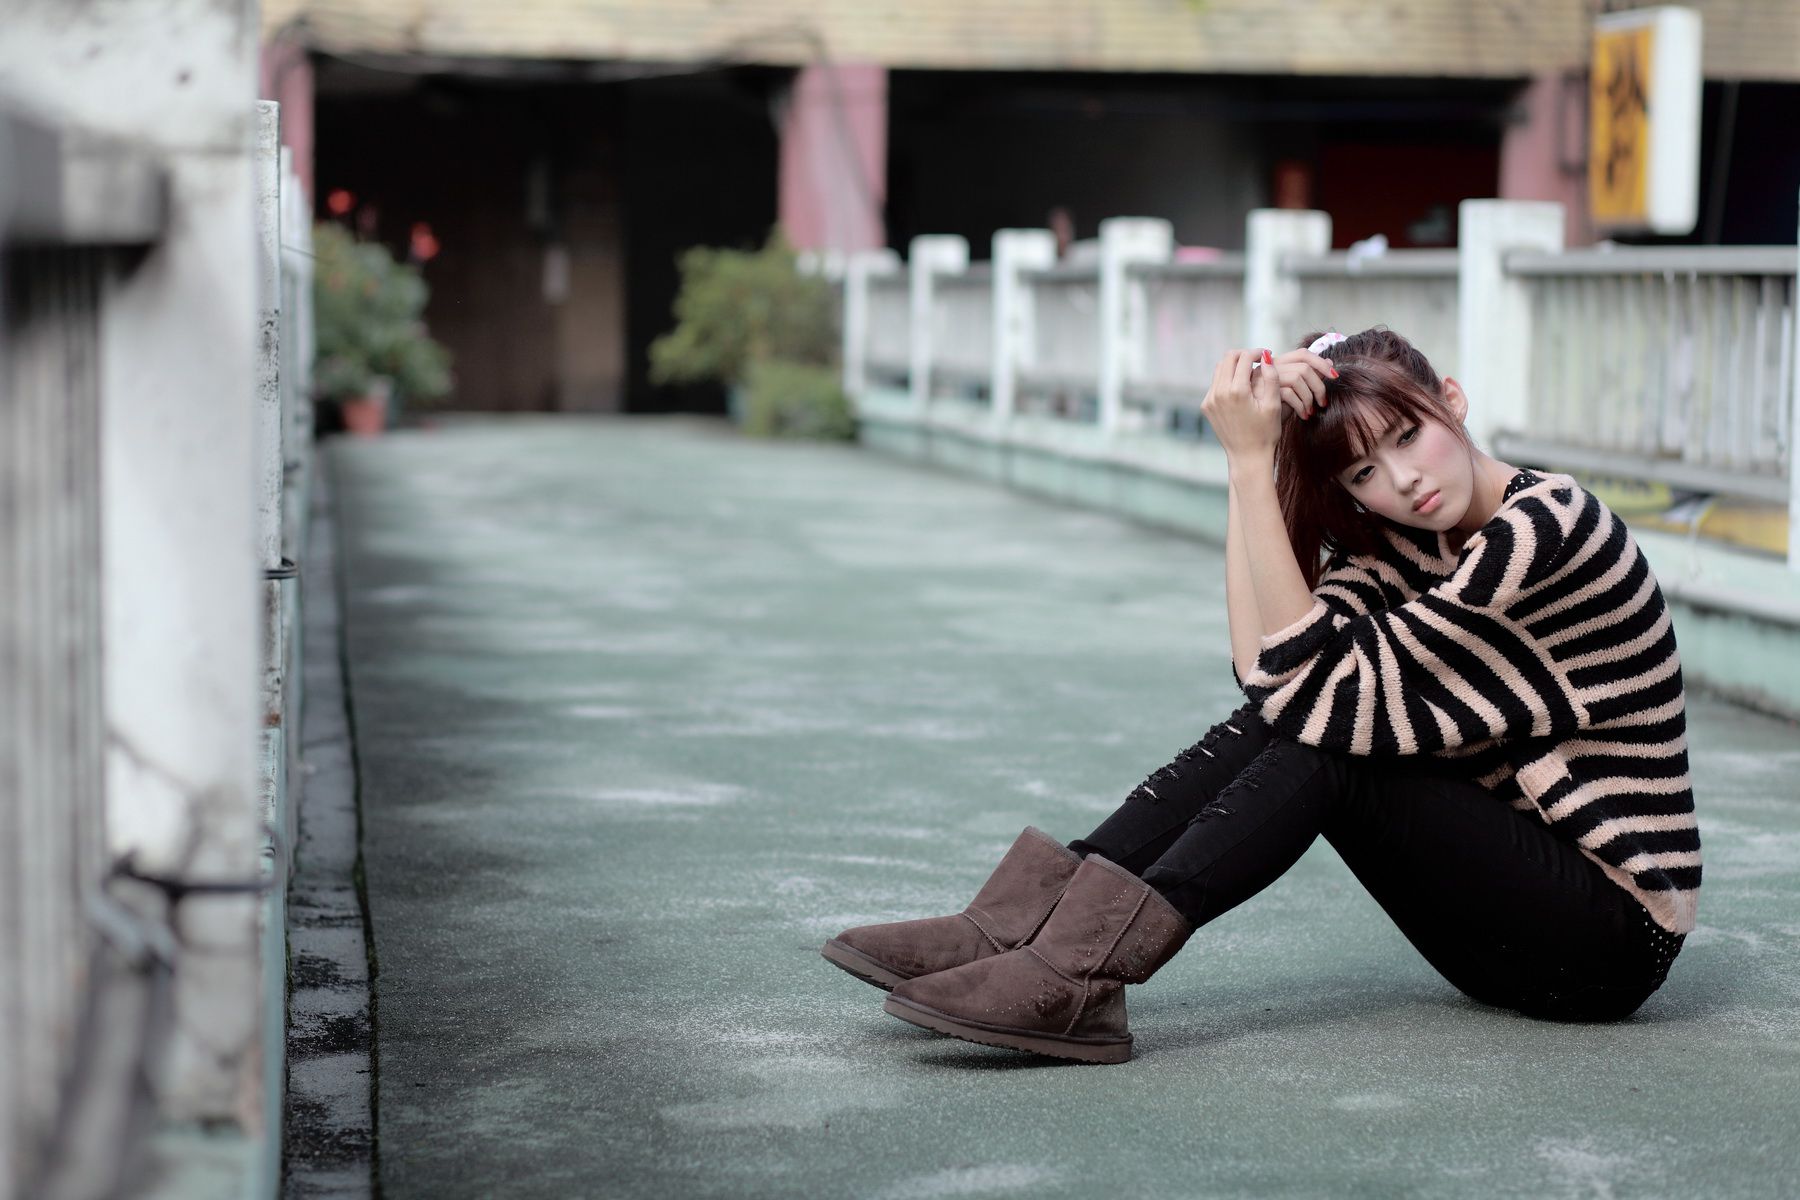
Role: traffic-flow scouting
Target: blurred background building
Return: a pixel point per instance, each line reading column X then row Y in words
column 547, row 159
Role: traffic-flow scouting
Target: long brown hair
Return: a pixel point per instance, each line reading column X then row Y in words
column 1382, row 379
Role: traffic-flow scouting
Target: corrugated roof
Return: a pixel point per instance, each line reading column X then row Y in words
column 1744, row 39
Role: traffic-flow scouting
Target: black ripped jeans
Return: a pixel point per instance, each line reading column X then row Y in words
column 1504, row 909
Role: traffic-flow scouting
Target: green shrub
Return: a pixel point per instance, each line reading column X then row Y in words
column 368, row 319
column 738, row 309
column 790, row 399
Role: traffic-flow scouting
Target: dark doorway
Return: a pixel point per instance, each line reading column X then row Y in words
column 972, row 152
column 556, row 209
column 701, row 157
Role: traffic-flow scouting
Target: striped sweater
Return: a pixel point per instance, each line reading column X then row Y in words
column 1540, row 658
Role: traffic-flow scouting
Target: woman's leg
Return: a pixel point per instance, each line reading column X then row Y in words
column 1023, row 889
column 1499, row 905
column 1159, row 809
column 1510, row 913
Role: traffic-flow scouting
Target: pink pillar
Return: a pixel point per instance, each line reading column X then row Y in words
column 1532, row 154
column 287, row 77
column 834, row 158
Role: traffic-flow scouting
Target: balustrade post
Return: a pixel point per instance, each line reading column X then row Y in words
column 928, row 255
column 1015, row 251
column 1271, row 294
column 859, row 266
column 1494, row 328
column 271, row 461
column 270, row 412
column 1123, row 241
column 1793, row 463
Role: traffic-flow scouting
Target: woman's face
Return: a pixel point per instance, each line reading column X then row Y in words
column 1410, row 464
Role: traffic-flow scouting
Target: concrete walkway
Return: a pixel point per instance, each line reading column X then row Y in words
column 645, row 712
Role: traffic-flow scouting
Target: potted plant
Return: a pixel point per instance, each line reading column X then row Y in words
column 752, row 321
column 373, row 347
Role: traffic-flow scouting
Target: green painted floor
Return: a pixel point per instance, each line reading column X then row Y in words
column 646, row 711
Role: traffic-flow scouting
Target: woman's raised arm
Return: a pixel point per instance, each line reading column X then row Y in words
column 1240, row 590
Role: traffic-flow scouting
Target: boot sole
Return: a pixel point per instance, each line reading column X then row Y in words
column 850, row 959
column 1091, row 1050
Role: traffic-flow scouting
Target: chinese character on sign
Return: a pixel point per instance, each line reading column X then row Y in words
column 1644, row 120
column 1619, row 151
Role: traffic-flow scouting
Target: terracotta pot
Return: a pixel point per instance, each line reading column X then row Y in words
column 367, row 415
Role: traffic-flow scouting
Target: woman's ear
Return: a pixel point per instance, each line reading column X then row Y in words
column 1456, row 399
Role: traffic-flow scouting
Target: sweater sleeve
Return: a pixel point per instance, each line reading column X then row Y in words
column 1446, row 669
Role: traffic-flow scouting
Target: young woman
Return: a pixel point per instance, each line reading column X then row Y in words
column 1476, row 701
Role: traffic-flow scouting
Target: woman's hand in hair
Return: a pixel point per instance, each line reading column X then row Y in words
column 1303, row 374
column 1243, row 406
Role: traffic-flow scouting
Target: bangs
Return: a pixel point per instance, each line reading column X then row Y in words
column 1382, row 381
column 1361, row 418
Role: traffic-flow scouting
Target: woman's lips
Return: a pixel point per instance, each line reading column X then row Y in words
column 1430, row 502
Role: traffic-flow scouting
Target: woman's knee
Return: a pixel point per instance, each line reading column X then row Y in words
column 1284, row 759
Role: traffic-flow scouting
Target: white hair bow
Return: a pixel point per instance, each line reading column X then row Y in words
column 1319, row 343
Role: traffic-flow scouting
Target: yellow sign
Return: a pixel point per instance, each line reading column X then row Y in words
column 1619, row 116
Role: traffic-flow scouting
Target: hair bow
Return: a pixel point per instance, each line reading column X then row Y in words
column 1330, row 338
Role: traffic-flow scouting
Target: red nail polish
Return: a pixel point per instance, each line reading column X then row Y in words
column 1268, row 360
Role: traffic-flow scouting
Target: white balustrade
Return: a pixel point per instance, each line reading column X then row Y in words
column 889, row 328
column 152, row 440
column 963, row 330
column 1194, row 316
column 929, row 256
column 52, row 756
column 1125, row 242
column 1015, row 308
column 1674, row 364
column 1493, row 309
column 1061, row 352
column 1272, row 236
column 1675, row 359
column 1412, row 292
column 861, row 324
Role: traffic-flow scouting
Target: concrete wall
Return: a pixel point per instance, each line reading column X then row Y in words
column 180, row 586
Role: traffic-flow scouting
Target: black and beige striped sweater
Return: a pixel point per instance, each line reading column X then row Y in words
column 1540, row 657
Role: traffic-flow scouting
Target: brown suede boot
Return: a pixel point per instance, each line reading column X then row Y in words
column 1005, row 913
column 1063, row 994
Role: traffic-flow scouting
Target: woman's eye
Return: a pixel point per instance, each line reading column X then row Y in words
column 1358, row 477
column 1405, row 437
